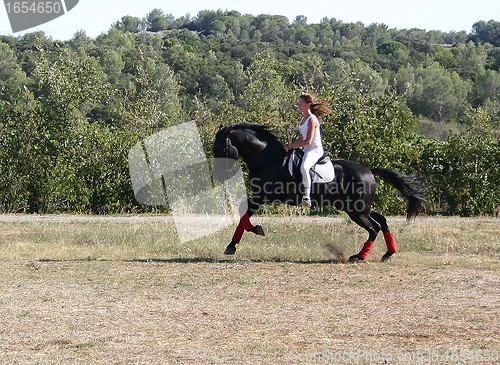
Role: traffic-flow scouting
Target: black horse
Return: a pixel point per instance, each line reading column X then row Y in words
column 352, row 190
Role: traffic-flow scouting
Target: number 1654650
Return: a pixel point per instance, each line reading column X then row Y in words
column 26, row 7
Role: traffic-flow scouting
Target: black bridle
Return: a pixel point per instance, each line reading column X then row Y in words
column 226, row 145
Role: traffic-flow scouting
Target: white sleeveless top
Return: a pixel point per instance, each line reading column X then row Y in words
column 316, row 141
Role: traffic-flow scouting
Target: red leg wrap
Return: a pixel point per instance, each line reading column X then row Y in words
column 243, row 226
column 238, row 233
column 367, row 247
column 390, row 242
column 245, row 220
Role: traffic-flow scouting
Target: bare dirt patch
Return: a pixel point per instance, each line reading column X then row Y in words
column 241, row 312
column 126, row 292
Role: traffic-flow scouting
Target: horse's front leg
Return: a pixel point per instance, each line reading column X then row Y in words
column 244, row 225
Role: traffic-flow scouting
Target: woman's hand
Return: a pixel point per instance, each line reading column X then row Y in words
column 288, row 147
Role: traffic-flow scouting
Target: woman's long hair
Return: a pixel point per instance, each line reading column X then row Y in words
column 318, row 106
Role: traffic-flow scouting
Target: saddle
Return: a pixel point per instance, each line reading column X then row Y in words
column 322, row 172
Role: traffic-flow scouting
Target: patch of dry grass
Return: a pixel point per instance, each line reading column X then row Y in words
column 94, row 298
column 286, row 240
column 240, row 312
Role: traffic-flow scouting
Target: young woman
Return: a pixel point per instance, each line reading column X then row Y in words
column 309, row 128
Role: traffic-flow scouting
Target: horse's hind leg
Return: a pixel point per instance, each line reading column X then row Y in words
column 363, row 220
column 392, row 248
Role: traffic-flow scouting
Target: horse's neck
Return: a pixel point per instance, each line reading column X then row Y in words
column 249, row 150
column 254, row 151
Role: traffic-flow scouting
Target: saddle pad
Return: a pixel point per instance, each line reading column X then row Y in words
column 322, row 173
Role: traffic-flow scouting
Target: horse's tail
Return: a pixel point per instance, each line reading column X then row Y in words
column 409, row 186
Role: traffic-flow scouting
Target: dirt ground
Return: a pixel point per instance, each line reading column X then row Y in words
column 237, row 311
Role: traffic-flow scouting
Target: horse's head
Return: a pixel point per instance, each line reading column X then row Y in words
column 225, row 154
column 254, row 143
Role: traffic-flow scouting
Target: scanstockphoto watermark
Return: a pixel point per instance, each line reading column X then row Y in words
column 26, row 14
column 419, row 356
column 353, row 188
column 170, row 167
column 340, row 195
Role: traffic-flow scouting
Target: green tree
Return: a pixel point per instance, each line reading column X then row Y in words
column 445, row 57
column 22, row 159
column 157, row 21
column 68, row 88
column 268, row 99
column 368, row 80
column 154, row 101
column 129, row 24
column 463, row 172
column 488, row 32
column 392, row 48
column 112, row 64
column 12, row 78
column 486, row 87
column 470, row 59
column 82, row 42
column 90, row 173
column 434, row 92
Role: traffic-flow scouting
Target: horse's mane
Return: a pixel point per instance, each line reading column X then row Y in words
column 261, row 131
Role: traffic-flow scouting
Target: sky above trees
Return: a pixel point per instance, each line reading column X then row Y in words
column 95, row 16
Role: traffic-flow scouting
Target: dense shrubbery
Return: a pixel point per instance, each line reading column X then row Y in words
column 70, row 111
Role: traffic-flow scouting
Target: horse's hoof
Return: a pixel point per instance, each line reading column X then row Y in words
column 230, row 249
column 258, row 230
column 355, row 258
column 387, row 256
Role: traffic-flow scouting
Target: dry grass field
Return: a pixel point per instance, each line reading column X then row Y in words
column 104, row 292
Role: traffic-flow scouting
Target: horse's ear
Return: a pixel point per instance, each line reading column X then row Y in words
column 221, row 126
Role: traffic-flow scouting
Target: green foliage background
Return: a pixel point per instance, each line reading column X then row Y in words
column 415, row 101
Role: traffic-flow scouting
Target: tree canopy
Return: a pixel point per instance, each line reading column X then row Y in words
column 70, row 111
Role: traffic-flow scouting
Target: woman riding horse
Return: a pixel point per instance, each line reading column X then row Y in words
column 352, row 191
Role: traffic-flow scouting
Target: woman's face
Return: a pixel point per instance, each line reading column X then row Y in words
column 303, row 105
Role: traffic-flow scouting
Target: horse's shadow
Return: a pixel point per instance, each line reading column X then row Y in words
column 196, row 260
column 212, row 260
